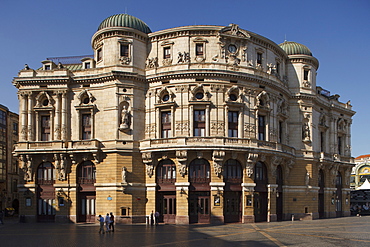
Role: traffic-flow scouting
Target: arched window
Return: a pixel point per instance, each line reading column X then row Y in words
column 86, row 173
column 166, row 172
column 339, row 181
column 233, row 171
column 260, row 173
column 199, row 171
column 321, row 180
column 45, row 173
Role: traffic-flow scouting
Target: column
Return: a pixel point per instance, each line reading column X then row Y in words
column 240, row 123
column 191, row 122
column 64, row 116
column 207, row 120
column 226, row 121
column 23, row 118
column 31, row 129
column 57, row 130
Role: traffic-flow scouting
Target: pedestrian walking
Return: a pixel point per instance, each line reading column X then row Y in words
column 152, row 218
column 107, row 221
column 156, row 217
column 111, row 224
column 101, row 222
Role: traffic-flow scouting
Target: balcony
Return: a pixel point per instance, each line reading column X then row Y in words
column 40, row 145
column 84, row 144
column 215, row 142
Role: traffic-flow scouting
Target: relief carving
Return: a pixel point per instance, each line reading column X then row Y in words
column 182, row 159
column 218, row 157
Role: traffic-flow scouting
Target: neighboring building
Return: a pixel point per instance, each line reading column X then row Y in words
column 360, row 186
column 361, row 171
column 202, row 123
column 9, row 176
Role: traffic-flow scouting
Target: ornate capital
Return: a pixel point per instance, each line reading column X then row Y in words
column 218, row 157
column 182, row 157
column 249, row 166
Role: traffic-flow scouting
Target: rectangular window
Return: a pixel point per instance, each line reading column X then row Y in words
column 45, row 128
column 199, row 49
column 124, row 50
column 339, row 145
column 259, row 58
column 322, row 141
column 47, row 67
column 199, row 123
column 86, row 126
column 278, row 68
column 100, row 54
column 87, row 65
column 261, row 128
column 166, row 52
column 233, row 117
column 280, row 134
column 166, row 124
column 15, row 128
column 305, row 75
column 2, row 117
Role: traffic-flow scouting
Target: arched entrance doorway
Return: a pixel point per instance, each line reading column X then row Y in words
column 338, row 195
column 233, row 191
column 321, row 201
column 166, row 191
column 279, row 193
column 15, row 205
column 199, row 191
column 45, row 192
column 260, row 192
column 86, row 192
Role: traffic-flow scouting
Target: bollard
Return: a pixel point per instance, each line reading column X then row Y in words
column 292, row 217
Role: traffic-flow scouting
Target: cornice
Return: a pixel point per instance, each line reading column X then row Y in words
column 113, row 75
column 219, row 74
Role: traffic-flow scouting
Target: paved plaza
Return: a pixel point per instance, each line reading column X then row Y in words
column 348, row 231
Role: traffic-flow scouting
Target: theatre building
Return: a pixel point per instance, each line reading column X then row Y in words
column 204, row 124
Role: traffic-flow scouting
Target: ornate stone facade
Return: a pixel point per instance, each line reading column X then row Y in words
column 202, row 123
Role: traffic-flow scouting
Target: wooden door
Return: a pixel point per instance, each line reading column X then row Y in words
column 199, row 207
column 260, row 206
column 232, row 207
column 169, row 209
column 87, row 208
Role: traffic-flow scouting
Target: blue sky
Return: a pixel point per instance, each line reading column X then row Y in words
column 336, row 31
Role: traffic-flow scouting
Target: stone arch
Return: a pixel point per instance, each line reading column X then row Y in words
column 85, row 97
column 43, row 99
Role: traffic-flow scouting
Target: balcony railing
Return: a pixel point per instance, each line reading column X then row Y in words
column 217, row 141
column 166, row 180
column 199, row 180
column 82, row 180
column 41, row 181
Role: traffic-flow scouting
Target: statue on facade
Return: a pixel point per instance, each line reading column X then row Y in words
column 124, row 174
column 62, row 175
column 306, row 132
column 57, row 164
column 28, row 176
column 307, row 179
column 125, row 118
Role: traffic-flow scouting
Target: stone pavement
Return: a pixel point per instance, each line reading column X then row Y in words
column 348, row 231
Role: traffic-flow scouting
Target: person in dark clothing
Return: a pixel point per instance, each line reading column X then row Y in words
column 152, row 218
column 111, row 224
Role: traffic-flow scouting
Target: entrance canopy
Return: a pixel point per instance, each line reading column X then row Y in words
column 364, row 186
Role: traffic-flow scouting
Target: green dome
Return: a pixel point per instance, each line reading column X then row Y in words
column 125, row 20
column 293, row 48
